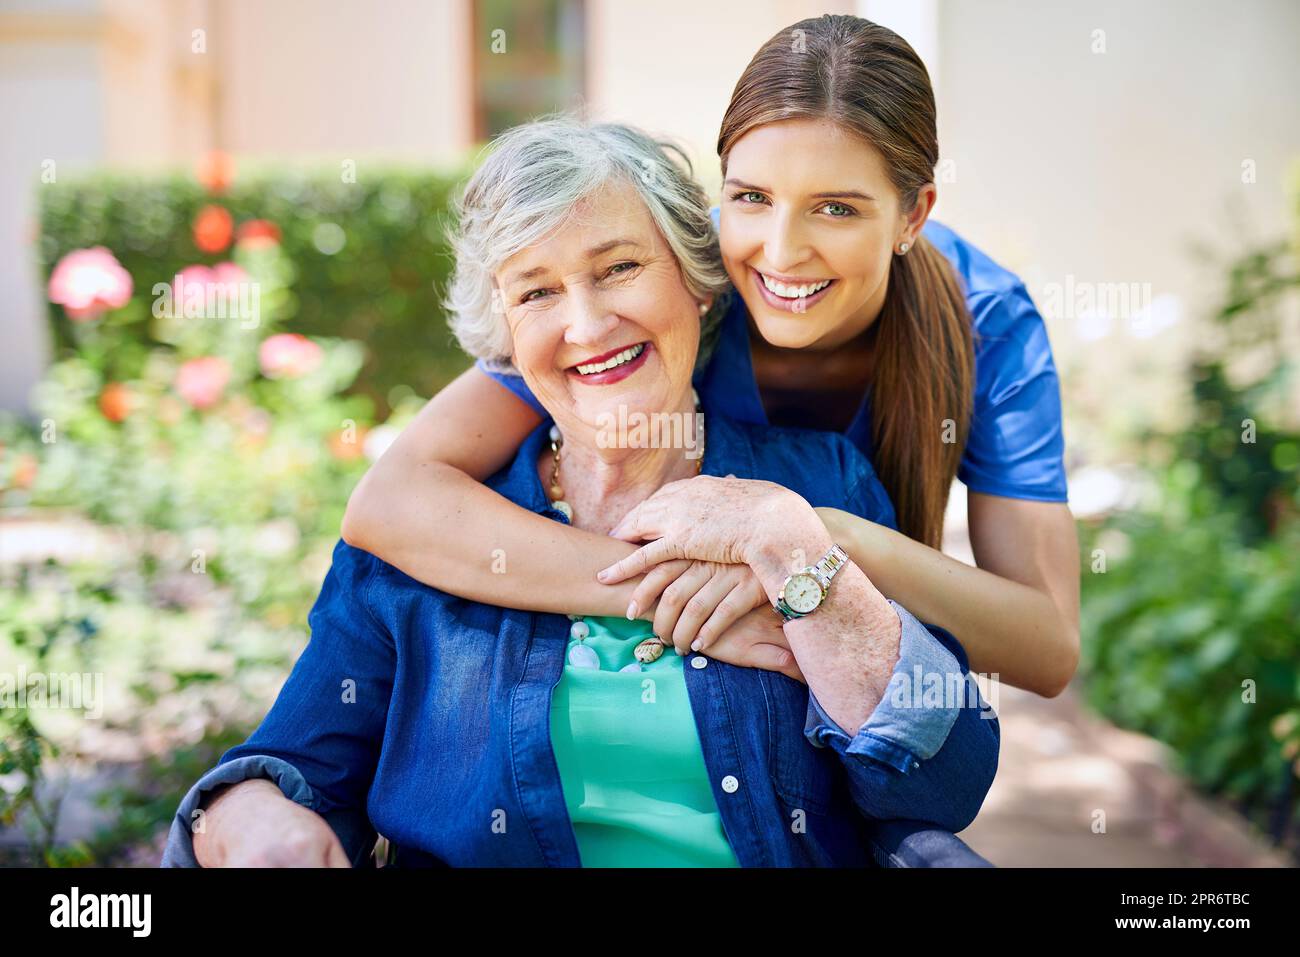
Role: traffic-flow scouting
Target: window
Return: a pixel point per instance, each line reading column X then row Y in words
column 528, row 60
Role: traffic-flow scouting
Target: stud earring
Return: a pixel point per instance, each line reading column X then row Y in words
column 704, row 307
column 903, row 247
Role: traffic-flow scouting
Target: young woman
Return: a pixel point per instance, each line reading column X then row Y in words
column 852, row 314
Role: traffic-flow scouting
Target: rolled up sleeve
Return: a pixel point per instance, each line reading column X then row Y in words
column 929, row 750
column 179, row 851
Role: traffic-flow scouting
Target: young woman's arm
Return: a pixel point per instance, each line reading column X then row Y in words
column 1017, row 614
column 422, row 508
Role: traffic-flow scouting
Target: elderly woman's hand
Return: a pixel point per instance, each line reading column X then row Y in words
column 710, row 519
column 252, row 824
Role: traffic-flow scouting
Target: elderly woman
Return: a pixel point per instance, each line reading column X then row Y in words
column 472, row 734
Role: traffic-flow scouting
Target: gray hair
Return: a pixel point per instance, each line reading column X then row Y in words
column 529, row 185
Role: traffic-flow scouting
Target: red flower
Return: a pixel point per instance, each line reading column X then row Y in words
column 257, row 233
column 25, row 468
column 288, row 356
column 201, row 381
column 87, row 282
column 115, row 402
column 216, row 170
column 213, row 228
column 346, row 446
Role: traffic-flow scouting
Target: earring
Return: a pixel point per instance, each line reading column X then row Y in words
column 704, row 307
column 903, row 247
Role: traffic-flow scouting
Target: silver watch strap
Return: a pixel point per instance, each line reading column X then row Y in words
column 831, row 563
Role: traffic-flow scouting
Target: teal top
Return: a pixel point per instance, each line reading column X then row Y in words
column 629, row 755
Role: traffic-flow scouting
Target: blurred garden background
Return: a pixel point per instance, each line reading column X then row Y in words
column 174, row 464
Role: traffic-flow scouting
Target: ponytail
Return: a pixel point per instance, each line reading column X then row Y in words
column 922, row 395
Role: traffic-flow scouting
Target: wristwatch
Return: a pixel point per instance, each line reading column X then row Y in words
column 805, row 590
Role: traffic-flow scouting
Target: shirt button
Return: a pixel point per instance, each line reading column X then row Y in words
column 699, row 661
column 729, row 784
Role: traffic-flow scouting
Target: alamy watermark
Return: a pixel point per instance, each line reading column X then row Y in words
column 209, row 296
column 651, row 430
column 54, row 690
column 944, row 689
column 1082, row 299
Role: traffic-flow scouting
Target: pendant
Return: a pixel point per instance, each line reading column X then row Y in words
column 649, row 650
column 581, row 656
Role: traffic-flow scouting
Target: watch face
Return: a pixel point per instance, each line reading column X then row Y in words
column 803, row 593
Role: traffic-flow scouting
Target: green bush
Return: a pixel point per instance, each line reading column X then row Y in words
column 1190, row 636
column 383, row 287
column 1191, row 612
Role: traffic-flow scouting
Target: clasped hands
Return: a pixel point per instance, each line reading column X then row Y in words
column 717, row 553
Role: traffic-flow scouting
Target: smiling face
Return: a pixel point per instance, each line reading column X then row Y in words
column 810, row 221
column 601, row 318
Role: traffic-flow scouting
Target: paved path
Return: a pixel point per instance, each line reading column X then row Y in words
column 1061, row 765
column 1061, row 768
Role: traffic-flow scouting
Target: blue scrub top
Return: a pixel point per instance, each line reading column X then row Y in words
column 1015, row 447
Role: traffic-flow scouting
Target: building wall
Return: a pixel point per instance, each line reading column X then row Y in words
column 300, row 78
column 654, row 72
column 1074, row 166
column 52, row 112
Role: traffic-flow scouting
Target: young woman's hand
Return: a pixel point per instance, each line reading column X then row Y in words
column 252, row 824
column 757, row 640
column 711, row 519
column 696, row 601
column 718, row 609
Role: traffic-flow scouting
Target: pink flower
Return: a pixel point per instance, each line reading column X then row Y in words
column 196, row 286
column 222, row 274
column 288, row 355
column 201, row 381
column 88, row 282
column 191, row 276
column 229, row 275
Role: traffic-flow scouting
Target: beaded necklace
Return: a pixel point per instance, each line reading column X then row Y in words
column 580, row 655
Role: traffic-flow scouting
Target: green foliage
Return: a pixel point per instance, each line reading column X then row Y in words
column 164, row 661
column 210, row 458
column 24, row 755
column 1191, row 637
column 1242, row 438
column 1191, row 616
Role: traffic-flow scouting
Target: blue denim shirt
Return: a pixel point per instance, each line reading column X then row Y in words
column 425, row 717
